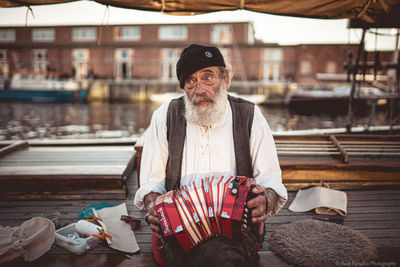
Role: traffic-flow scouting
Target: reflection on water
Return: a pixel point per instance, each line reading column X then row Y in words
column 106, row 120
column 94, row 120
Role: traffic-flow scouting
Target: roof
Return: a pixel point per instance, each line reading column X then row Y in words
column 366, row 10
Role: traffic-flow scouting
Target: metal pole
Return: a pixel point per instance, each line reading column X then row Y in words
column 354, row 82
column 397, row 81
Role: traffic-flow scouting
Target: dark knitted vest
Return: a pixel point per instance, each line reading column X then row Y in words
column 242, row 115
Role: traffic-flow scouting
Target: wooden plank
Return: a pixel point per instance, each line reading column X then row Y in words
column 60, row 203
column 117, row 194
column 386, row 242
column 79, row 142
column 13, row 147
column 308, row 142
column 329, row 145
column 294, row 186
column 382, row 149
column 312, row 175
column 395, row 210
column 82, row 148
column 335, row 163
column 46, row 157
column 378, row 220
column 65, row 258
column 382, row 233
column 369, row 143
column 371, row 146
column 31, row 171
column 281, row 150
column 319, row 153
column 373, row 203
column 334, row 153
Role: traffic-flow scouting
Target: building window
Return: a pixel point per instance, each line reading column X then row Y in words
column 80, row 61
column 123, row 63
column 331, row 67
column 129, row 33
column 7, row 35
column 305, row 67
column 221, row 34
column 84, row 34
column 169, row 57
column 3, row 64
column 273, row 61
column 166, row 33
column 43, row 35
column 39, row 59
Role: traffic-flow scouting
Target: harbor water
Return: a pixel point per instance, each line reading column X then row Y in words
column 115, row 120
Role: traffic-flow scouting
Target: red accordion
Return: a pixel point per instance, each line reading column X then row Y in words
column 195, row 213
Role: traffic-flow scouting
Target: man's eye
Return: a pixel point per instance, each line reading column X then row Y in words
column 208, row 78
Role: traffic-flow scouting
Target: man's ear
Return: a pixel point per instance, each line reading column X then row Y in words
column 225, row 79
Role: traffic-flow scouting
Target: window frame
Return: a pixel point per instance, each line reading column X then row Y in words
column 122, row 37
column 40, row 37
column 168, row 33
column 84, row 38
column 9, row 35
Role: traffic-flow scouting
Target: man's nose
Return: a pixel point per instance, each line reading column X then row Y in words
column 200, row 89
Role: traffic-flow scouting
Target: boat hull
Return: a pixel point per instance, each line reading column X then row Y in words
column 333, row 105
column 43, row 95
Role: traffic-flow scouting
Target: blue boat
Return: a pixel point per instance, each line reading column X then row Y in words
column 43, row 87
column 42, row 95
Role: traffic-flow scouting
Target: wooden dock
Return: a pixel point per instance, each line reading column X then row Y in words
column 337, row 161
column 371, row 182
column 340, row 161
column 375, row 213
column 60, row 171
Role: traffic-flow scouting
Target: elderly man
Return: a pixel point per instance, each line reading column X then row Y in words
column 208, row 133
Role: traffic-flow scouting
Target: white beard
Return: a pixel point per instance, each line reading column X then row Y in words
column 209, row 114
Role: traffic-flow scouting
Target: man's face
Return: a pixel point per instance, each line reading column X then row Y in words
column 206, row 96
column 202, row 85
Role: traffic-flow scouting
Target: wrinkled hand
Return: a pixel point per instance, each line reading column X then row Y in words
column 153, row 219
column 258, row 204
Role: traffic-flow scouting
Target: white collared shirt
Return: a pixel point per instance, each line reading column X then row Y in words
column 208, row 152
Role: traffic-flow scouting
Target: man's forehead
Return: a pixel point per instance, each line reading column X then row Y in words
column 212, row 69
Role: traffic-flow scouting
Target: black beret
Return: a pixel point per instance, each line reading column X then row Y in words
column 195, row 57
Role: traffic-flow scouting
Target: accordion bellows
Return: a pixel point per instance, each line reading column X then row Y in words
column 198, row 212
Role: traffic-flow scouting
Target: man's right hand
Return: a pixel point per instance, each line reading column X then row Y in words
column 152, row 219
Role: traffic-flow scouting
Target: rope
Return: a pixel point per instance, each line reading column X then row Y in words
column 242, row 2
column 26, row 16
column 102, row 24
column 162, row 6
column 364, row 9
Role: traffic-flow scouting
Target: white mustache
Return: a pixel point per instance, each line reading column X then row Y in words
column 202, row 98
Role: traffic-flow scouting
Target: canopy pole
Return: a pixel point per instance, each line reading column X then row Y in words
column 396, row 82
column 354, row 82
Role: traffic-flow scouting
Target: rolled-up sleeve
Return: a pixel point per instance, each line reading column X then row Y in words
column 154, row 157
column 266, row 169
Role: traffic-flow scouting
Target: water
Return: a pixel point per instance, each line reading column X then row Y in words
column 114, row 120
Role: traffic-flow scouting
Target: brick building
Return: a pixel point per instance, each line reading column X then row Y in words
column 148, row 52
